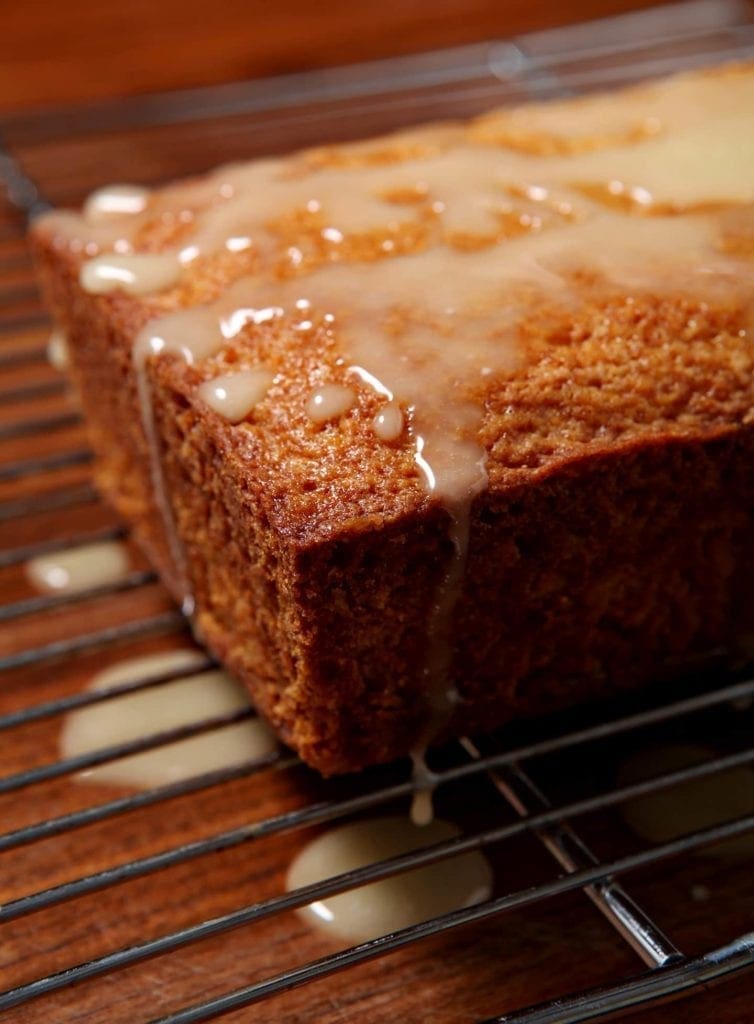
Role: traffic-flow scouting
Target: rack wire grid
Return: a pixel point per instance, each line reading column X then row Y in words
column 179, row 889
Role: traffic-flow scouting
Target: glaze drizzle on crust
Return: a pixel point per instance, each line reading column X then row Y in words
column 464, row 306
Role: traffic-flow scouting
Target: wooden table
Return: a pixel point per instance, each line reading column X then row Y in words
column 55, row 53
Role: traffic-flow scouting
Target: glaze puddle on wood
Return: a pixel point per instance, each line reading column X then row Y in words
column 165, row 706
column 679, row 810
column 392, row 903
column 79, row 568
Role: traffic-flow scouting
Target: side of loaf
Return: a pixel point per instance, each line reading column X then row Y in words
column 440, row 429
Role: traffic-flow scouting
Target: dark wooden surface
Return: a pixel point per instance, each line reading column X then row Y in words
column 56, row 53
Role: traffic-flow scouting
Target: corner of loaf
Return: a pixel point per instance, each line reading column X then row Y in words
column 437, row 430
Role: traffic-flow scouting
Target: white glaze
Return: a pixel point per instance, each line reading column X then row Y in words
column 393, row 903
column 147, row 345
column 441, row 694
column 650, row 139
column 58, row 354
column 161, row 707
column 193, row 334
column 132, row 273
column 422, row 810
column 234, row 395
column 116, row 201
column 79, row 568
column 388, row 423
column 670, row 813
column 329, row 402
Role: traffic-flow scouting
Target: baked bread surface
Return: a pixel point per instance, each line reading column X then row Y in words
column 556, row 304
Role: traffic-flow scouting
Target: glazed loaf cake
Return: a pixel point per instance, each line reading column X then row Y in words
column 442, row 428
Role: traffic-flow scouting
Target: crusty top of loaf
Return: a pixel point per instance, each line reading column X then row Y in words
column 540, row 285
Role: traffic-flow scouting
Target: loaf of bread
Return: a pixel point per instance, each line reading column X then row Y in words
column 442, row 428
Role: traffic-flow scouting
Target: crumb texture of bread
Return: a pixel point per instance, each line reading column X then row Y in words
column 492, row 408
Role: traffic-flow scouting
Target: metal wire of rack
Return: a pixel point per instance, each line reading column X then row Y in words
column 32, row 475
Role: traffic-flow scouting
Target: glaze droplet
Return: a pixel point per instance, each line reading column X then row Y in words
column 234, row 395
column 115, row 201
column 135, row 274
column 388, row 423
column 79, row 568
column 329, row 402
column 422, row 804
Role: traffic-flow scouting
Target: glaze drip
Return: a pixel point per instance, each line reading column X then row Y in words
column 146, row 346
column 134, row 274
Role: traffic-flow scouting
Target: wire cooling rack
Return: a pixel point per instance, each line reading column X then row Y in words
column 168, row 905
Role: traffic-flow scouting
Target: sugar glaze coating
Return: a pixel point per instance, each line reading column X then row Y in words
column 395, row 902
column 79, row 568
column 181, row 701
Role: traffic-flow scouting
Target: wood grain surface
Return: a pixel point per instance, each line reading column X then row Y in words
column 55, row 53
column 550, row 948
